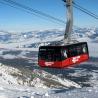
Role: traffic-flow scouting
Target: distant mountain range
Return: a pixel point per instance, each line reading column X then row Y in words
column 36, row 38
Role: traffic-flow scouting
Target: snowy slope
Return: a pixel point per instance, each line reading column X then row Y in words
column 11, row 88
column 12, row 81
column 38, row 83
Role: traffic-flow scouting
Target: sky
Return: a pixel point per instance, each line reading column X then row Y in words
column 16, row 19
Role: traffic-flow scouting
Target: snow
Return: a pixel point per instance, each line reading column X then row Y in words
column 3, row 96
column 65, row 82
column 13, row 47
column 8, row 56
column 13, row 90
column 5, row 74
column 13, row 87
column 9, row 85
column 93, row 49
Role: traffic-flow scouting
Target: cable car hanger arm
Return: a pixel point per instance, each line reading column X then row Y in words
column 69, row 24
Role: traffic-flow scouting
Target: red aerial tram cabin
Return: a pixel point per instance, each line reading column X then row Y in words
column 63, row 56
column 67, row 55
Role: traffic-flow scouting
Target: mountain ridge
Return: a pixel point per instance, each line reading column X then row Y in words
column 33, row 39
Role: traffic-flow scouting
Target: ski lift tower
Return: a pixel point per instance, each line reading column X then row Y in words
column 69, row 24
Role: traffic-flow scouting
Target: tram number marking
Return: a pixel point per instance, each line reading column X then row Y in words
column 75, row 59
column 49, row 63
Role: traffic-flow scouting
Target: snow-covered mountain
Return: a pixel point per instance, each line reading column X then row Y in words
column 13, row 79
column 34, row 78
column 21, row 77
column 91, row 33
column 33, row 39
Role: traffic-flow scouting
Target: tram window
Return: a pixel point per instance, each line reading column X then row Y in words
column 42, row 55
column 57, row 57
column 84, row 48
column 79, row 50
column 50, row 55
column 65, row 53
column 75, row 51
column 72, row 52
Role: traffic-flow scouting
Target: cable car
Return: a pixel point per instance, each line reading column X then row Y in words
column 62, row 56
column 67, row 55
